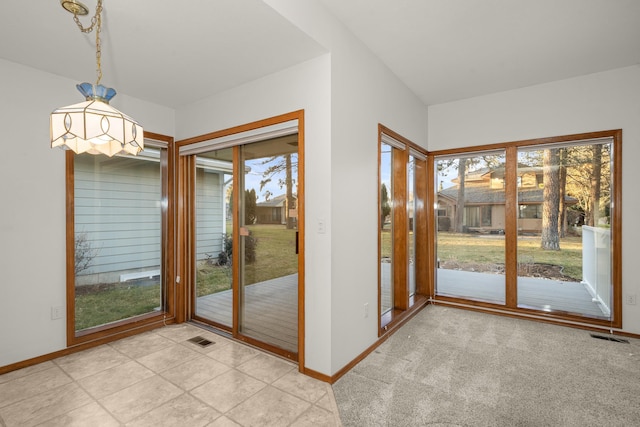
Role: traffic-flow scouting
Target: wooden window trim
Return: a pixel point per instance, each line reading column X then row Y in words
column 404, row 306
column 120, row 329
column 511, row 213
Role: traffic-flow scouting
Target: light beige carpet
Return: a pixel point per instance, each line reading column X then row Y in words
column 451, row 367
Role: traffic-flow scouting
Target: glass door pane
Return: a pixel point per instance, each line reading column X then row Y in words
column 386, row 228
column 564, row 228
column 213, row 237
column 268, row 229
column 411, row 213
column 470, row 217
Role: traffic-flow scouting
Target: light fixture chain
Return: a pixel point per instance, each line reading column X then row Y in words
column 94, row 19
column 96, row 22
column 98, row 44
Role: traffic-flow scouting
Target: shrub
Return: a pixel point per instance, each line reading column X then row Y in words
column 250, row 242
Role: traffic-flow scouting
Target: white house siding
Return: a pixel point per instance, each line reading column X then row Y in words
column 117, row 206
column 209, row 213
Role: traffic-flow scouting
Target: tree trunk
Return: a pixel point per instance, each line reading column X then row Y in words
column 562, row 210
column 290, row 205
column 459, row 219
column 550, row 239
column 594, row 190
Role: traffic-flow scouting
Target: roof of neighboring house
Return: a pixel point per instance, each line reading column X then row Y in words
column 495, row 196
column 274, row 202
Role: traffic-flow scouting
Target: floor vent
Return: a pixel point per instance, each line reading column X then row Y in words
column 202, row 342
column 609, row 338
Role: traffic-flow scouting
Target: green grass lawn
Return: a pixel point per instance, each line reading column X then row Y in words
column 119, row 301
column 275, row 257
column 472, row 248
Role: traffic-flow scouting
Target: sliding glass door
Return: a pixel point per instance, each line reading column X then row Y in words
column 243, row 230
column 213, row 231
column 268, row 246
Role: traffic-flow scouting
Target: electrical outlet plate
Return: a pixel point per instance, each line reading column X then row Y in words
column 630, row 299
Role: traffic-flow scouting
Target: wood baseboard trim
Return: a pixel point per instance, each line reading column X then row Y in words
column 533, row 317
column 315, row 374
column 396, row 325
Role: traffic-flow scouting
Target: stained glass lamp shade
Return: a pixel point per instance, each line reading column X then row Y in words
column 94, row 126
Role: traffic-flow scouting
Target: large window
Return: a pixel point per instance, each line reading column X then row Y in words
column 116, row 240
column 470, row 244
column 565, row 250
column 539, row 230
column 402, row 227
column 477, row 216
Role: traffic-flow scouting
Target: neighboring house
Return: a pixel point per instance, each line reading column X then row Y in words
column 273, row 211
column 484, row 201
column 109, row 201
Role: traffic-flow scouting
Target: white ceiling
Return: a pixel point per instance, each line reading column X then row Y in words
column 165, row 51
column 176, row 52
column 446, row 50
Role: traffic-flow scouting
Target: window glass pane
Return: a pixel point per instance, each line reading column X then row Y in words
column 213, row 230
column 564, row 242
column 386, row 231
column 118, row 235
column 268, row 262
column 411, row 210
column 470, row 227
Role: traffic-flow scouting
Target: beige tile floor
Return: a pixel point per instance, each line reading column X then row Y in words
column 160, row 379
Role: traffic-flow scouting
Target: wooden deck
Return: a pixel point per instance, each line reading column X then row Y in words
column 270, row 311
column 271, row 307
column 537, row 293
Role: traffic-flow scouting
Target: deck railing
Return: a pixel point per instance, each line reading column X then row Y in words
column 596, row 264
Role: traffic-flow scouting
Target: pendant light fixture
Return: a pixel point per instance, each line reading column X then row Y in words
column 94, row 126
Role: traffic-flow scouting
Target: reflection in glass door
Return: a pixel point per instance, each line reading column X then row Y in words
column 213, row 224
column 268, row 249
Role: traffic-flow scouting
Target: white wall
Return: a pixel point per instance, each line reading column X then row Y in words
column 345, row 95
column 305, row 86
column 364, row 93
column 602, row 101
column 32, row 217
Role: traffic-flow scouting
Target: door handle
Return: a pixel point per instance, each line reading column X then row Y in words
column 297, row 243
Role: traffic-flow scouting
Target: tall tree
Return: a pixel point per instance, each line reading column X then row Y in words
column 291, row 203
column 459, row 218
column 287, row 163
column 562, row 209
column 550, row 239
column 250, row 206
column 385, row 206
column 594, row 189
column 588, row 179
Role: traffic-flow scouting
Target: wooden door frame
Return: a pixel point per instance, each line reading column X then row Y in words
column 185, row 237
